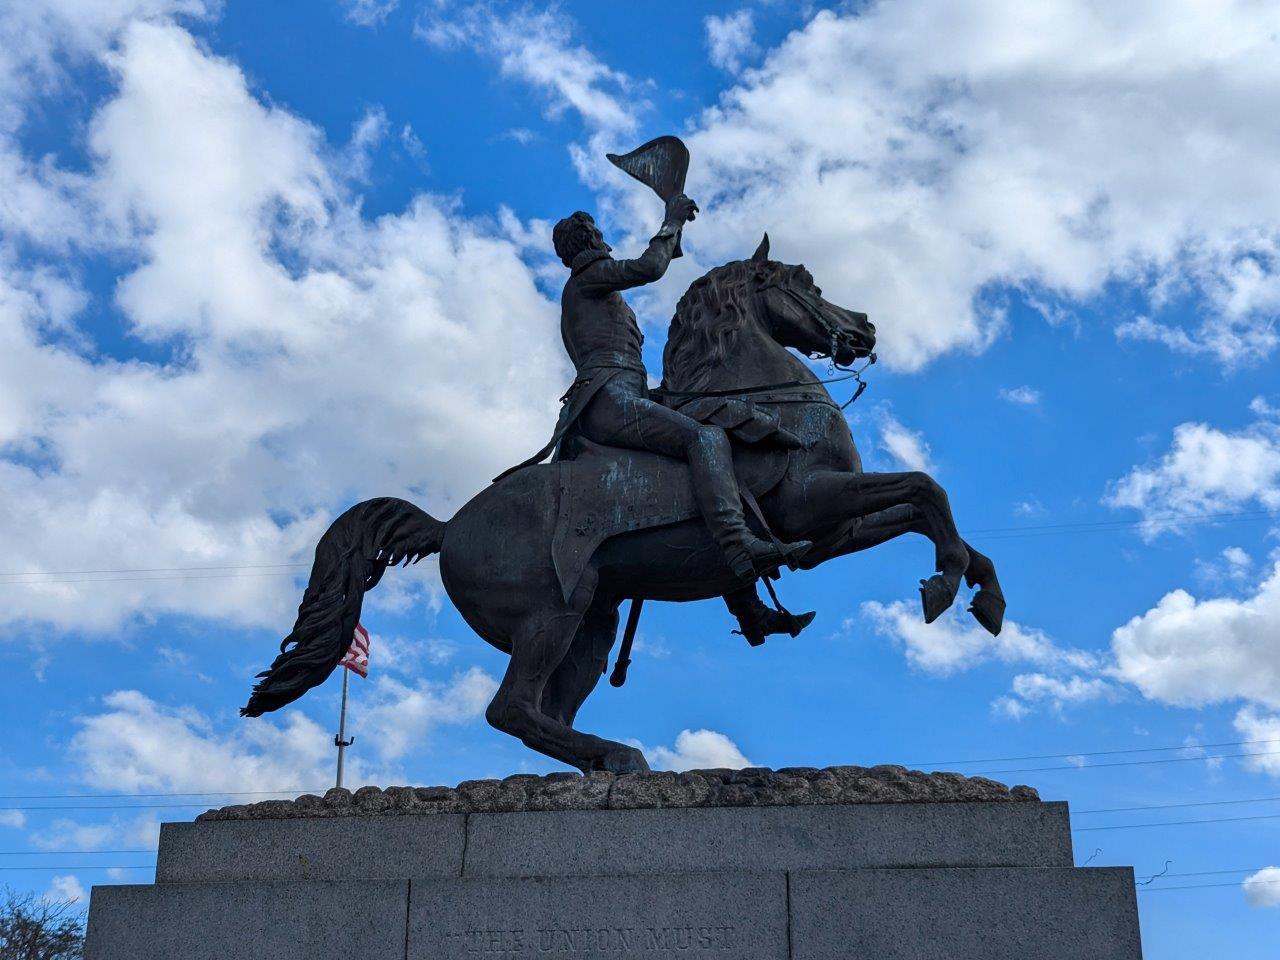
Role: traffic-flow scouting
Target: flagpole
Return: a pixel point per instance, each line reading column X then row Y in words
column 340, row 740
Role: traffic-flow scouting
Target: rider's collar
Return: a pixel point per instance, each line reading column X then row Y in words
column 586, row 258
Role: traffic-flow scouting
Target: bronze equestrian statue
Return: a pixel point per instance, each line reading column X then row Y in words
column 644, row 498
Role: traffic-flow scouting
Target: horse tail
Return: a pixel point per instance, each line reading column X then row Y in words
column 350, row 560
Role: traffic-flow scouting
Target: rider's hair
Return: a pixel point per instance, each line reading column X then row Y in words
column 572, row 235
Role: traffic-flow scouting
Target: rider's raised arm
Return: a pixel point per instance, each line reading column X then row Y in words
column 623, row 274
column 650, row 265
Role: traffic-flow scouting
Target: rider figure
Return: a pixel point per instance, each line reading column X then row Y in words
column 609, row 401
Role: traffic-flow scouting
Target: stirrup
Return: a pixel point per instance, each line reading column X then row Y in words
column 760, row 557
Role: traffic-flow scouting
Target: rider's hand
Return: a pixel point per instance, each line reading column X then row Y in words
column 681, row 209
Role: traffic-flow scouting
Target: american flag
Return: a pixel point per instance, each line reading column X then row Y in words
column 357, row 656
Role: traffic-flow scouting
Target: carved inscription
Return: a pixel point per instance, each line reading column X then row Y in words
column 552, row 940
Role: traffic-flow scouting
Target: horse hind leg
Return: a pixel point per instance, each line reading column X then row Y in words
column 585, row 663
column 538, row 649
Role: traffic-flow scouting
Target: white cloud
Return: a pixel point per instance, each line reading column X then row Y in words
column 399, row 716
column 908, row 447
column 413, row 145
column 730, row 39
column 955, row 643
column 1190, row 652
column 1026, row 396
column 521, row 135
column 1262, row 408
column 1206, row 471
column 137, row 744
column 13, row 818
column 697, row 750
column 1042, row 688
column 1262, row 889
column 67, row 834
column 537, row 48
column 369, row 13
column 1057, row 148
column 66, row 888
column 1233, row 564
column 1255, row 726
column 293, row 322
column 1010, row 707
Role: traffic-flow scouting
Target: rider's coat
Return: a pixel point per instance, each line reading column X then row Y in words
column 599, row 329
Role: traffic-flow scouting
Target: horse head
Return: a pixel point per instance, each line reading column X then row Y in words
column 779, row 302
column 800, row 317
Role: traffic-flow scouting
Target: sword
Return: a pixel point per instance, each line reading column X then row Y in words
column 661, row 165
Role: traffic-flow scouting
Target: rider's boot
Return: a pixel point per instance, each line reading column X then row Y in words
column 716, row 490
column 757, row 621
column 757, row 557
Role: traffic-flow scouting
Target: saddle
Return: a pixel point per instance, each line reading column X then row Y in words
column 607, row 491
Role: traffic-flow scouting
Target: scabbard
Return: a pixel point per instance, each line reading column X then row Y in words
column 619, row 675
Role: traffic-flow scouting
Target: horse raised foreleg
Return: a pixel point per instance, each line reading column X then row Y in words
column 824, row 500
column 988, row 603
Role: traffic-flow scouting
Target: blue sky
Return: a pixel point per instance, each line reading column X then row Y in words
column 260, row 261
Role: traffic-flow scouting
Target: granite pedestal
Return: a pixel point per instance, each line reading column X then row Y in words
column 715, row 866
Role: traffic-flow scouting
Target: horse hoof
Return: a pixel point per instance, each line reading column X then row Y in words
column 988, row 609
column 936, row 595
column 622, row 760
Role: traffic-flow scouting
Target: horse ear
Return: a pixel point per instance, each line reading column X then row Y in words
column 762, row 251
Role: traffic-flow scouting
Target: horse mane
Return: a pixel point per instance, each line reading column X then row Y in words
column 707, row 320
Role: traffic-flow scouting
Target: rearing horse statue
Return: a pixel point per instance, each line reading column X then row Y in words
column 539, row 562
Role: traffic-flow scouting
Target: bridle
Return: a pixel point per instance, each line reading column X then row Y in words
column 821, row 320
column 677, row 398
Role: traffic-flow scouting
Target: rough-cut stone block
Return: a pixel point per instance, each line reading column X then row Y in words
column 246, row 921
column 962, row 914
column 723, row 915
column 600, row 842
column 316, row 849
column 749, row 787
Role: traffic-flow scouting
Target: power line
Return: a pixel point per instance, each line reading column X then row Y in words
column 297, row 791
column 39, row 577
column 1172, row 806
column 69, row 853
column 114, row 806
column 76, row 573
column 1132, row 763
column 1204, row 886
column 1217, row 873
column 167, row 577
column 1105, row 526
column 82, row 867
column 237, row 570
column 1108, row 524
column 1098, row 753
column 138, row 796
column 1174, row 823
